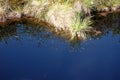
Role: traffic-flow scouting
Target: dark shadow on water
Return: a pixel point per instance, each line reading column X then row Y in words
column 105, row 25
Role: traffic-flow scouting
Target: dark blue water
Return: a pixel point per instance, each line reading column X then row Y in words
column 29, row 54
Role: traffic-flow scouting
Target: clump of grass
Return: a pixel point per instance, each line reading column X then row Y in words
column 114, row 4
column 87, row 5
column 17, row 3
column 106, row 5
column 2, row 15
column 60, row 15
column 36, row 8
column 4, row 9
column 83, row 6
column 80, row 26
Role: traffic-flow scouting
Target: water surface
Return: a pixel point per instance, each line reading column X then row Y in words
column 30, row 52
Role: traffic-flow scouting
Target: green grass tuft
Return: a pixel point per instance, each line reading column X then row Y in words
column 80, row 26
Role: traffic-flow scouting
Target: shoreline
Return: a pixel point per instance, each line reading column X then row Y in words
column 60, row 16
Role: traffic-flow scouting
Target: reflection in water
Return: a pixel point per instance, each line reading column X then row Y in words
column 53, row 61
column 103, row 26
column 108, row 24
column 6, row 32
column 20, row 31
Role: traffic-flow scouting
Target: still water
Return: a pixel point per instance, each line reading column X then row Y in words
column 32, row 53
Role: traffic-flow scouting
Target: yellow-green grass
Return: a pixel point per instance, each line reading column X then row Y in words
column 61, row 14
column 80, row 26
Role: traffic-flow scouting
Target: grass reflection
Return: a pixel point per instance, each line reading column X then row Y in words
column 102, row 27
